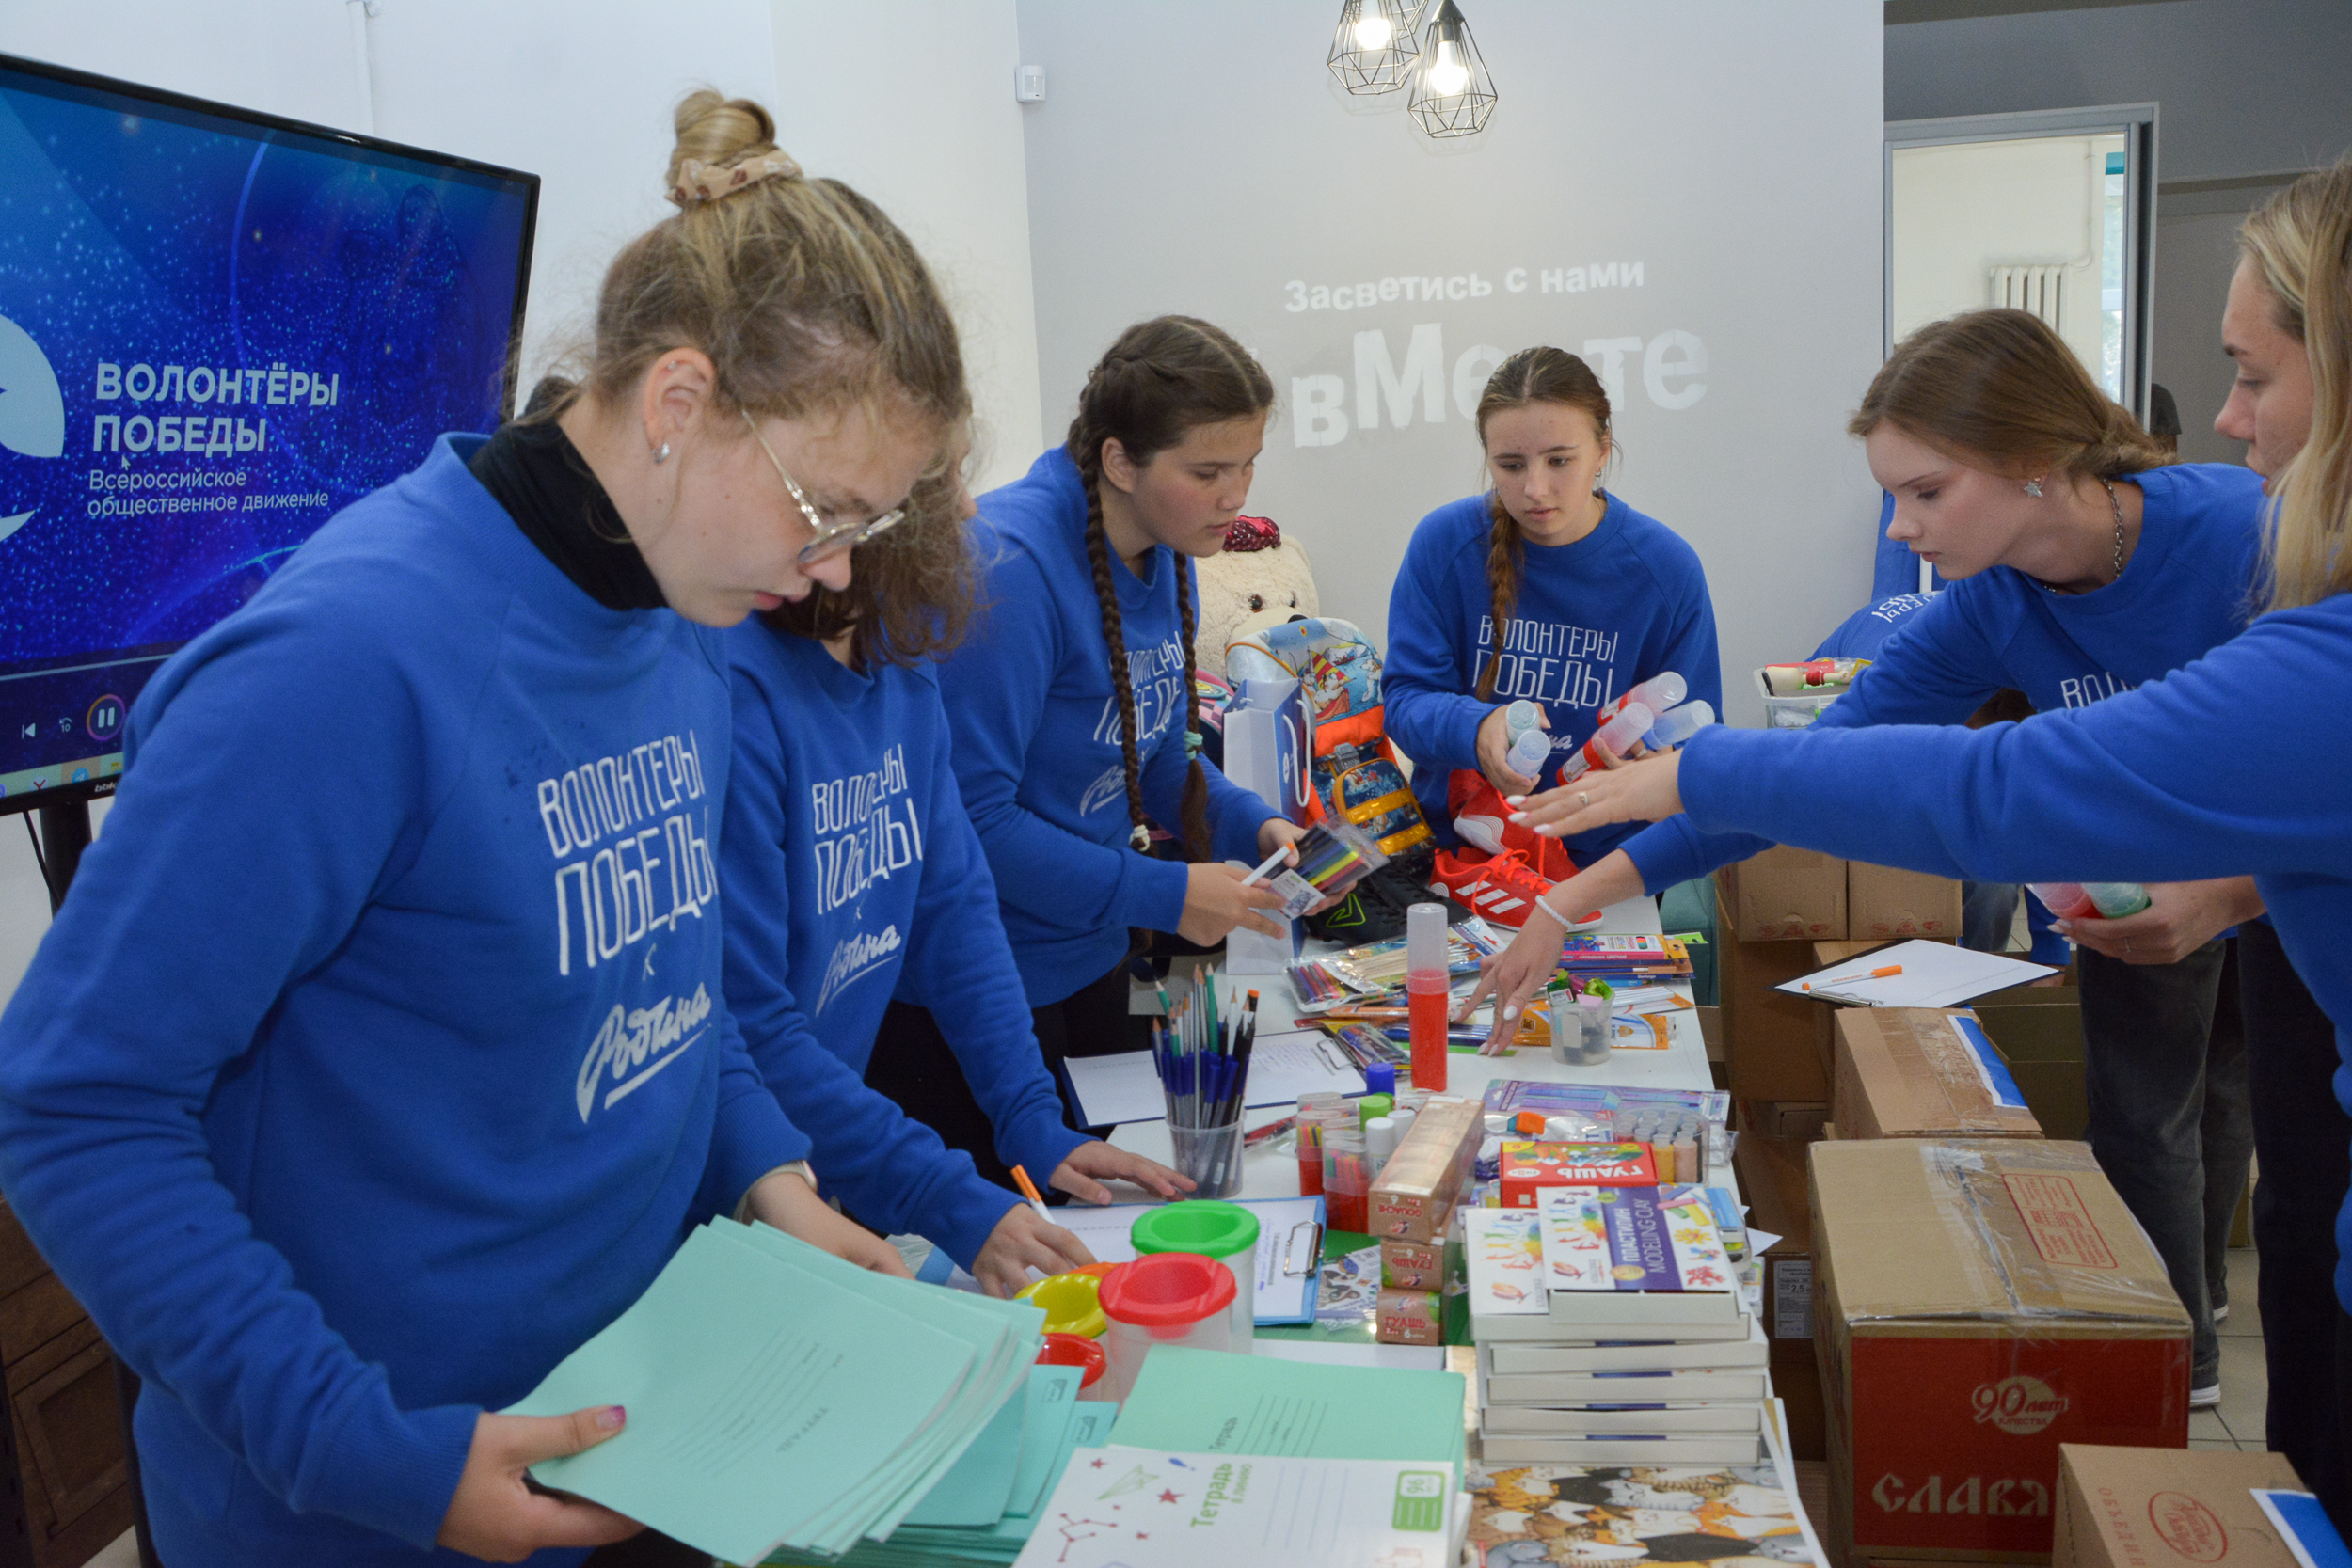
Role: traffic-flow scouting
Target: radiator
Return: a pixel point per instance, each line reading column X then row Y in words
column 2037, row 289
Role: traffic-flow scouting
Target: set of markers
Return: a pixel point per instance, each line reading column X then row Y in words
column 1333, row 856
column 1203, row 1063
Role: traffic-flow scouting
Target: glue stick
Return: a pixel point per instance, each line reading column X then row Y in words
column 1679, row 724
column 1658, row 693
column 1619, row 734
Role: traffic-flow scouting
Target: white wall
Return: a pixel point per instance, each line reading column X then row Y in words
column 1962, row 210
column 911, row 100
column 1196, row 158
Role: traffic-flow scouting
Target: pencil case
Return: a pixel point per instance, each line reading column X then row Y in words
column 1333, row 856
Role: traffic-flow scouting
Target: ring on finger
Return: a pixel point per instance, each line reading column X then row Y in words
column 1582, row 798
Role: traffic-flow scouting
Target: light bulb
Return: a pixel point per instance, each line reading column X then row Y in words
column 1448, row 76
column 1372, row 31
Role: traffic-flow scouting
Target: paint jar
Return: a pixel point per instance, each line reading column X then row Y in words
column 1071, row 1302
column 1580, row 1031
column 1210, row 1155
column 1171, row 1298
column 1346, row 1181
column 1225, row 1231
column 1077, row 1349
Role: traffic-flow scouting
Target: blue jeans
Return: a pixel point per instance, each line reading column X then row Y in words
column 2305, row 1143
column 2166, row 1074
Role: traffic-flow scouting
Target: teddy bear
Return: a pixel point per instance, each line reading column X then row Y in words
column 1258, row 572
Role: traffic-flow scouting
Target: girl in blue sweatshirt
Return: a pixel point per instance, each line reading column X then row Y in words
column 1071, row 704
column 380, row 1058
column 852, row 873
column 2230, row 765
column 1546, row 588
column 2080, row 566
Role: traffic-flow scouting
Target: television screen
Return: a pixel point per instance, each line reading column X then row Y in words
column 216, row 329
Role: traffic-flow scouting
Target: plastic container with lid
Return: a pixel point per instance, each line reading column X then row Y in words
column 1580, row 1031
column 1169, row 1298
column 1225, row 1231
column 1071, row 1302
column 1077, row 1349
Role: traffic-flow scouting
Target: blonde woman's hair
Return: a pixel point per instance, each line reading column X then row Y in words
column 2302, row 242
column 803, row 294
column 2000, row 389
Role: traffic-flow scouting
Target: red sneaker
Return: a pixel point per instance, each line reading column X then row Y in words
column 1499, row 888
column 1483, row 817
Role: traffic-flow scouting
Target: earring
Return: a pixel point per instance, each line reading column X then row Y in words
column 661, row 454
column 2033, row 488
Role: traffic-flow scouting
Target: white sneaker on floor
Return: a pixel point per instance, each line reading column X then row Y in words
column 2205, row 1398
column 2221, row 1313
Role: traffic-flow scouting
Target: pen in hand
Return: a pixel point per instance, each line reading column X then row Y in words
column 1029, row 1190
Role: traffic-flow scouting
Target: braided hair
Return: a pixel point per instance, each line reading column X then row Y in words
column 1158, row 381
column 1532, row 375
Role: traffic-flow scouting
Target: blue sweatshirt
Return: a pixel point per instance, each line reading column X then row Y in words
column 2231, row 765
column 2189, row 586
column 1593, row 619
column 379, row 1057
column 1037, row 750
column 852, row 872
column 1862, row 633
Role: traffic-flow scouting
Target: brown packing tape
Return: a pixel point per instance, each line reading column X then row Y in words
column 1908, row 1072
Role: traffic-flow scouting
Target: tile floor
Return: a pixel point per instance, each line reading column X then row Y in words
column 2238, row 1422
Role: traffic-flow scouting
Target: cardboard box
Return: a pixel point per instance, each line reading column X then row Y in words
column 1409, row 1318
column 1882, row 903
column 2039, row 1032
column 1798, row 1119
column 1768, row 1034
column 1976, row 1304
column 1773, row 1179
column 1415, row 1191
column 1412, row 1265
column 1783, row 894
column 1922, row 1072
column 2167, row 1508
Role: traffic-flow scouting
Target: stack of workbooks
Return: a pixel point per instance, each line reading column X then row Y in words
column 781, row 1399
column 1612, row 1329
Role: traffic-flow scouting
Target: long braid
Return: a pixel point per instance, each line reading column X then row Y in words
column 1196, row 801
column 1503, row 553
column 1115, row 638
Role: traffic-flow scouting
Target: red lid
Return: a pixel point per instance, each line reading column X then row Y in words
column 1074, row 1350
column 1168, row 1290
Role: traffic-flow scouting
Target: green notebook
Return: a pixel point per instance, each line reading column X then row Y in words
column 1209, row 1401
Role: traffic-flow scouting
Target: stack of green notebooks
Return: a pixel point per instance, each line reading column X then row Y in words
column 781, row 1399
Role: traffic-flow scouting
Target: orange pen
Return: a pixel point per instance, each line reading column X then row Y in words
column 1874, row 975
column 1029, row 1190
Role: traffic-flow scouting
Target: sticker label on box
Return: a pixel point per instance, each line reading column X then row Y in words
column 2059, row 1224
column 1793, row 1299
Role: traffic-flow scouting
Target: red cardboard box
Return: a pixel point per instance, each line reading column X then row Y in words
column 1529, row 1167
column 1976, row 1304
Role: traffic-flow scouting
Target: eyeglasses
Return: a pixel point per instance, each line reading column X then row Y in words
column 831, row 539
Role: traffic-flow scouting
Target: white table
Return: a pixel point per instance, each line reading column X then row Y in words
column 1266, row 1173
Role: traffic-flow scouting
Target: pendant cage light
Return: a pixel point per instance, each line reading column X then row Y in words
column 1372, row 47
column 1452, row 92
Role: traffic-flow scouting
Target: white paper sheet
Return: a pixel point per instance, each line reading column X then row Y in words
column 1935, row 974
column 1127, row 1088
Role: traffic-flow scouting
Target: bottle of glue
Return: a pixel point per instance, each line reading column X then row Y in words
column 1430, row 993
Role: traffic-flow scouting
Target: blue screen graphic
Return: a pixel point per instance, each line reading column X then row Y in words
column 214, row 334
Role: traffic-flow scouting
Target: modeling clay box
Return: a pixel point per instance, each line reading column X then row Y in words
column 1922, row 1072
column 1415, row 1191
column 1976, row 1304
column 1529, row 1167
column 1635, row 1257
column 2167, row 1508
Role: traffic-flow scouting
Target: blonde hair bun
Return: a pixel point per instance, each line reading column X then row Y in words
column 713, row 130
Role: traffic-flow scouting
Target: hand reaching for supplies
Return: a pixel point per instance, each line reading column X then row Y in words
column 1643, row 791
column 1094, row 1162
column 2179, row 918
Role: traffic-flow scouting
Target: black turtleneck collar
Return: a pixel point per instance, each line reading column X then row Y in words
column 539, row 477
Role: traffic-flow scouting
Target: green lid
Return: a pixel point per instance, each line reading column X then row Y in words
column 1211, row 1228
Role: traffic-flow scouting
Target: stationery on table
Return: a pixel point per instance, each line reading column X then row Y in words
column 1289, row 1240
column 1127, row 1088
column 1133, row 1507
column 1201, row 1401
column 752, row 1428
column 1914, row 975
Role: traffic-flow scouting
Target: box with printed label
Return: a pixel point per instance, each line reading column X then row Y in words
column 1412, row 1265
column 1976, row 1304
column 2167, row 1508
column 1414, row 1195
column 1409, row 1318
column 1922, row 1072
column 1528, row 1166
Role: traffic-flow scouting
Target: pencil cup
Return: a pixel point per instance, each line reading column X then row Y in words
column 1211, row 1156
